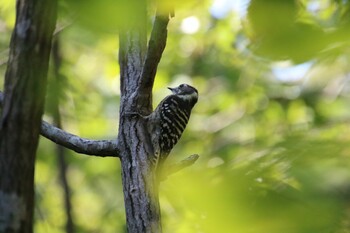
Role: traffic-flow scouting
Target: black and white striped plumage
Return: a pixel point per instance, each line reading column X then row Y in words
column 170, row 118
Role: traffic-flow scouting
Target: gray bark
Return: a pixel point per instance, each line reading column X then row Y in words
column 138, row 65
column 101, row 148
column 25, row 86
column 139, row 183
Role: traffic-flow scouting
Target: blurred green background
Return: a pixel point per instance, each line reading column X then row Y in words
column 271, row 125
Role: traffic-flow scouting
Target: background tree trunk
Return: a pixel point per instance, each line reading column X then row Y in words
column 25, row 86
column 60, row 150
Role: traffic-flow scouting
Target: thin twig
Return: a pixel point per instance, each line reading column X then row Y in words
column 180, row 165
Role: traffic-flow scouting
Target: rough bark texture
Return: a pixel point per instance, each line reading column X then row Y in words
column 140, row 188
column 25, row 85
column 139, row 183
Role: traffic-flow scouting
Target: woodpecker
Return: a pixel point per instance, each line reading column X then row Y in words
column 169, row 120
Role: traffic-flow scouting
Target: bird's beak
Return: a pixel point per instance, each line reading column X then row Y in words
column 171, row 89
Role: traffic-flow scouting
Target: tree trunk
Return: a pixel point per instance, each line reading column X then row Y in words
column 25, row 86
column 139, row 183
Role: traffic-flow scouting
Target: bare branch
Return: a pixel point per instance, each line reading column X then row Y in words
column 155, row 50
column 101, row 148
column 179, row 166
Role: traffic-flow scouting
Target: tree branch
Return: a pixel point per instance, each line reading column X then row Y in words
column 179, row 166
column 155, row 50
column 101, row 148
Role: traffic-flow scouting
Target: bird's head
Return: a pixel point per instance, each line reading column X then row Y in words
column 185, row 92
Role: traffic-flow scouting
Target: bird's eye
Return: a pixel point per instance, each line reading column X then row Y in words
column 182, row 85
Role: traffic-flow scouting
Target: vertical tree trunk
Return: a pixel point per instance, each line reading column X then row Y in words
column 25, row 85
column 139, row 183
